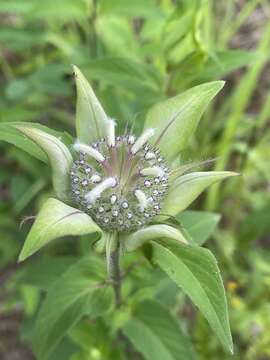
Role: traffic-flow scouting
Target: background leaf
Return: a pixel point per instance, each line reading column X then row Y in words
column 79, row 291
column 199, row 224
column 155, row 333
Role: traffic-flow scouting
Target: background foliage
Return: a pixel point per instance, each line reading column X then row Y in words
column 135, row 54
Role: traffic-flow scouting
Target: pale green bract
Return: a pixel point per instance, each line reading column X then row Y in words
column 55, row 220
column 168, row 129
column 177, row 118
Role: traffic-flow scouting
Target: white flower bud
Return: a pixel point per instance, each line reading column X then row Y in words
column 94, row 194
column 89, row 151
column 152, row 171
column 141, row 199
column 142, row 140
column 149, row 155
column 110, row 129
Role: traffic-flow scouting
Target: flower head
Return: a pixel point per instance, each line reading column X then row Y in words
column 125, row 183
column 119, row 181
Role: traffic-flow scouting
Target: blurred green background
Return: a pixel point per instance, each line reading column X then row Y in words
column 136, row 53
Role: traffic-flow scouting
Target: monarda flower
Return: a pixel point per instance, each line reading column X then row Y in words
column 126, row 185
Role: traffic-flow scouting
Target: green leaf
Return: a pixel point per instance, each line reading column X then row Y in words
column 195, row 270
column 188, row 187
column 43, row 271
column 19, row 39
column 90, row 117
column 199, row 224
column 55, row 220
column 139, row 8
column 58, row 154
column 155, row 333
column 10, row 134
column 255, row 226
column 80, row 291
column 136, row 239
column 176, row 119
column 225, row 62
column 127, row 73
column 59, row 10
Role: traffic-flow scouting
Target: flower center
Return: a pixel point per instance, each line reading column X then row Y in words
column 120, row 184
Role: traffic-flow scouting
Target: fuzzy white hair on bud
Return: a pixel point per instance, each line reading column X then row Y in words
column 142, row 140
column 94, row 194
column 140, row 195
column 89, row 150
column 152, row 171
column 110, row 129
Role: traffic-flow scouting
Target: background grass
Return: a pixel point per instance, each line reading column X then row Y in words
column 136, row 53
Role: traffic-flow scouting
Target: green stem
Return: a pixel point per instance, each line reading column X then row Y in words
column 113, row 267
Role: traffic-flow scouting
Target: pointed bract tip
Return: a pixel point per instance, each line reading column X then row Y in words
column 21, row 257
column 222, row 83
column 74, row 67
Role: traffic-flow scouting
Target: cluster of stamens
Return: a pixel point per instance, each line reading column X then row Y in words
column 120, row 181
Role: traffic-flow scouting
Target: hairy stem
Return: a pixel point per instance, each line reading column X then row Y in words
column 114, row 268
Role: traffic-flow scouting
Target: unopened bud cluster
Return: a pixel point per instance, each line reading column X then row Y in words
column 119, row 182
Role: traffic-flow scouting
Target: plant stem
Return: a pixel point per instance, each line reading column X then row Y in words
column 113, row 253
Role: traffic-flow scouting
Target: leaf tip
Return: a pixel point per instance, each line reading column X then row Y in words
column 219, row 84
column 22, row 256
column 75, row 70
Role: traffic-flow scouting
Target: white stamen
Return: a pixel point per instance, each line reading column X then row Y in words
column 113, row 199
column 149, row 155
column 125, row 204
column 142, row 140
column 152, row 171
column 150, row 200
column 95, row 179
column 110, row 124
column 147, row 183
column 84, row 182
column 131, row 139
column 89, row 151
column 94, row 194
column 115, row 213
column 142, row 199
